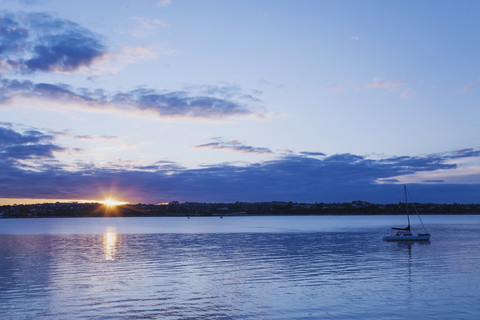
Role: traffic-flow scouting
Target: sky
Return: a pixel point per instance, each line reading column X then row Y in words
column 153, row 101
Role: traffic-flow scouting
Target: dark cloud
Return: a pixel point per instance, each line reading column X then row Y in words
column 335, row 178
column 31, row 151
column 12, row 35
column 233, row 145
column 308, row 153
column 296, row 178
column 31, row 42
column 176, row 103
column 9, row 137
column 228, row 91
column 51, row 91
column 179, row 103
column 465, row 153
column 29, row 89
column 30, row 145
column 408, row 165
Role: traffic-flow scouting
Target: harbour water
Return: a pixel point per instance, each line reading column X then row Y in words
column 308, row 267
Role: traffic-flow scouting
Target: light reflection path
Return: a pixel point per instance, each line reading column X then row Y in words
column 110, row 243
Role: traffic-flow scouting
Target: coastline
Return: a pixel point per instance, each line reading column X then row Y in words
column 194, row 209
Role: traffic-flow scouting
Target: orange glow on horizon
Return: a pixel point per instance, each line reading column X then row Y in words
column 111, row 202
column 20, row 201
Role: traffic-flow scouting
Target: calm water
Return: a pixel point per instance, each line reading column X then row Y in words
column 330, row 267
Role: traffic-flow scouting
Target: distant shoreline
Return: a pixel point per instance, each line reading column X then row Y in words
column 195, row 209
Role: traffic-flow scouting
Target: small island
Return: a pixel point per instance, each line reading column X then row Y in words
column 191, row 209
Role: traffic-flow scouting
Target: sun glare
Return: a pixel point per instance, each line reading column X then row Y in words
column 110, row 202
column 110, row 243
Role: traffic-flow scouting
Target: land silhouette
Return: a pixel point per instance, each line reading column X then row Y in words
column 175, row 208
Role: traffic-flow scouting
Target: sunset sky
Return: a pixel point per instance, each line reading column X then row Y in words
column 224, row 101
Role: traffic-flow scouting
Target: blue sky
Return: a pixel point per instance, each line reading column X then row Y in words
column 310, row 101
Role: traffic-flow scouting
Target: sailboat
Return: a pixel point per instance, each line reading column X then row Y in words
column 405, row 234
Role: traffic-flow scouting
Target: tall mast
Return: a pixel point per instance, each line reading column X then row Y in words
column 406, row 203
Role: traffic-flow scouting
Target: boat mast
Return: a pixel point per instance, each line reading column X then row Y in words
column 406, row 203
column 416, row 211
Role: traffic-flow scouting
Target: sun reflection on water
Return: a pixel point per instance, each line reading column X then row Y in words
column 110, row 243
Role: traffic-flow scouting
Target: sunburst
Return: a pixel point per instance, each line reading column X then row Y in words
column 111, row 202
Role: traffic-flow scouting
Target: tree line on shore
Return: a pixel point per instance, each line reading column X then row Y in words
column 175, row 208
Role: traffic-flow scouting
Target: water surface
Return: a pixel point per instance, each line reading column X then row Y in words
column 321, row 267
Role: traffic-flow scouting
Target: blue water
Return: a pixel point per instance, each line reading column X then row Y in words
column 321, row 267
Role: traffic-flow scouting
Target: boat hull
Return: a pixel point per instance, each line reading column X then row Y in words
column 419, row 237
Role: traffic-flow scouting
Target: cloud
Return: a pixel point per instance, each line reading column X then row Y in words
column 42, row 42
column 179, row 103
column 464, row 153
column 302, row 178
column 395, row 86
column 95, row 138
column 163, row 3
column 313, row 154
column 33, row 42
column 227, row 91
column 336, row 87
column 149, row 24
column 112, row 62
column 391, row 86
column 163, row 104
column 468, row 87
column 339, row 86
column 31, row 144
column 9, row 137
column 407, row 94
column 233, row 145
column 146, row 27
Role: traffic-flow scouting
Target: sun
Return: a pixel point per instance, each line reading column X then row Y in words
column 110, row 202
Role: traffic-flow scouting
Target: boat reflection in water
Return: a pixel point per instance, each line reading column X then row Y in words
column 110, row 243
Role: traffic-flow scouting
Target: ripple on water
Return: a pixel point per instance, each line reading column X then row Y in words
column 300, row 275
